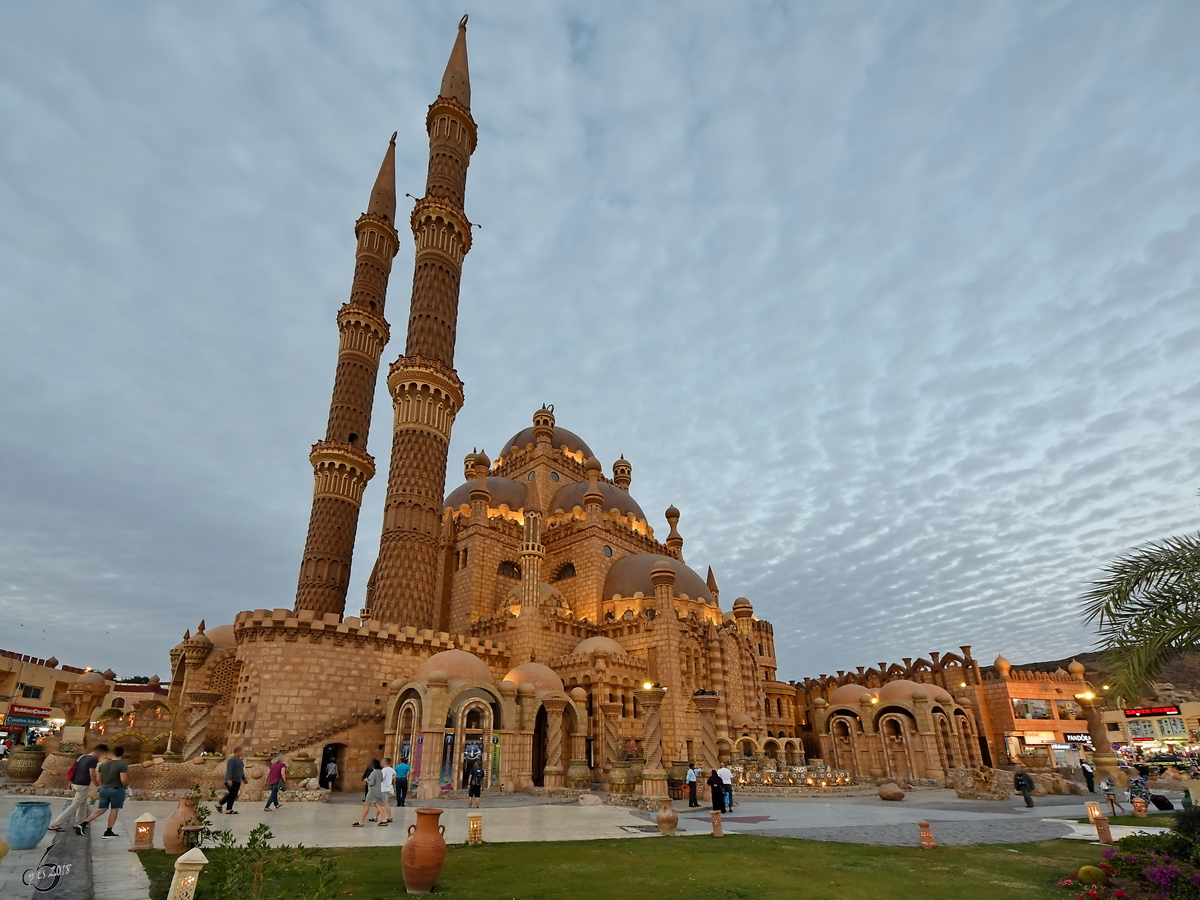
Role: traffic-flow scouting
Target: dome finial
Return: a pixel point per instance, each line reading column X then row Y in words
column 674, row 539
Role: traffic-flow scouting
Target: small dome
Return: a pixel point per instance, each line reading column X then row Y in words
column 631, row 574
column 900, row 691
column 481, row 459
column 578, row 694
column 222, row 637
column 562, row 438
column 109, row 674
column 199, row 639
column 542, row 677
column 504, row 491
column 943, row 697
column 569, row 496
column 91, row 678
column 819, row 702
column 548, row 595
column 740, row 603
column 1076, row 668
column 591, row 464
column 847, row 694
column 457, row 664
column 1003, row 666
column 155, row 680
column 671, row 513
column 599, row 644
column 920, row 693
column 742, row 722
column 662, row 566
column 52, row 662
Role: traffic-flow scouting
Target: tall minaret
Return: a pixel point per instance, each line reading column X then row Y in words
column 426, row 392
column 341, row 465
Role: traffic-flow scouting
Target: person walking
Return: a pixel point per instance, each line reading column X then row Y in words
column 1089, row 775
column 388, row 785
column 275, row 781
column 1023, row 782
column 367, row 774
column 235, row 776
column 81, row 781
column 727, row 783
column 691, row 786
column 475, row 787
column 373, row 779
column 114, row 779
column 717, row 789
column 331, row 773
column 1109, row 789
column 402, row 772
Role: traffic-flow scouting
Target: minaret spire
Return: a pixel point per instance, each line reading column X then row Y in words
column 426, row 391
column 341, row 465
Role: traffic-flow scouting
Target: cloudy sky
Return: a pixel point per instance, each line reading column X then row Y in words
column 898, row 302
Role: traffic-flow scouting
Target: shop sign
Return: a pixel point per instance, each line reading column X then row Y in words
column 1141, row 711
column 25, row 721
column 22, row 709
column 1083, row 738
column 1061, row 746
column 1039, row 737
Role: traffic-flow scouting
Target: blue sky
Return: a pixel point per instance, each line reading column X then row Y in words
column 897, row 302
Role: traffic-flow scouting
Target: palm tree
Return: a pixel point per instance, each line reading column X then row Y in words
column 1147, row 610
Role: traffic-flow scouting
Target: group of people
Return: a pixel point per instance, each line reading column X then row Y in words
column 383, row 784
column 720, row 784
column 102, row 769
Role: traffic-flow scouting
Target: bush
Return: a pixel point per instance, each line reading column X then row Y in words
column 1169, row 844
column 258, row 871
column 1159, row 875
column 1187, row 824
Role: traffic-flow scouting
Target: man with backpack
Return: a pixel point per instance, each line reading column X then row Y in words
column 81, row 776
column 1023, row 782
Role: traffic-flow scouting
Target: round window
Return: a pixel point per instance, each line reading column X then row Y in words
column 607, row 550
column 554, row 476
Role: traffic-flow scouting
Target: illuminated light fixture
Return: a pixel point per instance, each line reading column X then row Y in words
column 187, row 873
column 1104, row 687
column 647, row 685
column 1093, row 809
column 963, row 684
column 474, row 829
column 874, row 699
column 928, row 842
column 143, row 832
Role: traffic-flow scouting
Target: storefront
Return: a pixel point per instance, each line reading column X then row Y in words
column 1144, row 733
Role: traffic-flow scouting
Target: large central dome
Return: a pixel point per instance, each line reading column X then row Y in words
column 572, row 442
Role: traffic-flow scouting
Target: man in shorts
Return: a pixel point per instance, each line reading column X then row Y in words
column 86, row 775
column 475, row 787
column 114, row 779
column 388, row 786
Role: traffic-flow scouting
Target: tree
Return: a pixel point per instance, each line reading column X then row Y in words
column 1147, row 610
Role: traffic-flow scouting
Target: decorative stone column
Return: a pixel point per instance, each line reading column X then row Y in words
column 528, row 705
column 200, row 704
column 553, row 775
column 654, row 776
column 706, row 705
column 1104, row 760
column 611, row 713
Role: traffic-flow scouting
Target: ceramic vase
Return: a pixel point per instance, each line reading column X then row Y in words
column 27, row 824
column 184, row 814
column 424, row 852
column 579, row 776
column 620, row 779
column 25, row 765
column 667, row 818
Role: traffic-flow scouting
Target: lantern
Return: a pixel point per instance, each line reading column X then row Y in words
column 1139, row 806
column 187, row 873
column 474, row 829
column 143, row 832
column 1093, row 809
column 928, row 842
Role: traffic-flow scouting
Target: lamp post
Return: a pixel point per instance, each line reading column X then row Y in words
column 1103, row 759
column 187, row 873
column 143, row 832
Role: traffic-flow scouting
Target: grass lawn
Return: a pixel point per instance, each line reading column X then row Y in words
column 736, row 867
column 1159, row 821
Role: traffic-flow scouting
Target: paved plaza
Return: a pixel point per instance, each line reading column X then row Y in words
column 855, row 819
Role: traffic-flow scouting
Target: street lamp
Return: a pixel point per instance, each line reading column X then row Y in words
column 143, row 832
column 187, row 873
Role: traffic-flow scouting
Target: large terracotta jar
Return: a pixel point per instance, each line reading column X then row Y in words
column 25, row 765
column 424, row 852
column 301, row 768
column 27, row 824
column 667, row 818
column 184, row 814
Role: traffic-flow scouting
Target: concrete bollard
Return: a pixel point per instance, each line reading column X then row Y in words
column 716, row 823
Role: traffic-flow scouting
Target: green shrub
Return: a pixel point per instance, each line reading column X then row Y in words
column 1187, row 824
column 1168, row 844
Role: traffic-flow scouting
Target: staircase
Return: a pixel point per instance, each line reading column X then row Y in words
column 329, row 730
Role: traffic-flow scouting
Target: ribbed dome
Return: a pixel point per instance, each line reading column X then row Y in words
column 541, row 677
column 456, row 664
column 599, row 644
column 503, row 490
column 562, row 438
column 632, row 574
column 570, row 496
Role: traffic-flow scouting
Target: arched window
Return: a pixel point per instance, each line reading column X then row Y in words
column 779, row 707
column 767, row 707
column 118, row 703
column 509, row 569
column 567, row 571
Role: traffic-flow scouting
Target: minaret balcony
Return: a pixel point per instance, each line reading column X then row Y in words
column 341, row 470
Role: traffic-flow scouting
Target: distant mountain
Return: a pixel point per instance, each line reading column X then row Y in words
column 1179, row 677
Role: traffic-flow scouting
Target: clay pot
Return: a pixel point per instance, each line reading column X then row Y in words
column 184, row 814
column 579, row 776
column 27, row 824
column 301, row 767
column 423, row 852
column 620, row 778
column 25, row 765
column 636, row 768
column 667, row 818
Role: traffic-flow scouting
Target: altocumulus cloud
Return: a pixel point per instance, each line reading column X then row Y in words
column 897, row 302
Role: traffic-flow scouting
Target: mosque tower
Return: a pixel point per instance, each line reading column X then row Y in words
column 341, row 465
column 426, row 392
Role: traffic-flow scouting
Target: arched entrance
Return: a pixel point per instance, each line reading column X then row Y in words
column 539, row 748
column 336, row 754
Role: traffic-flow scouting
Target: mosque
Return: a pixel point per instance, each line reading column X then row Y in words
column 529, row 620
